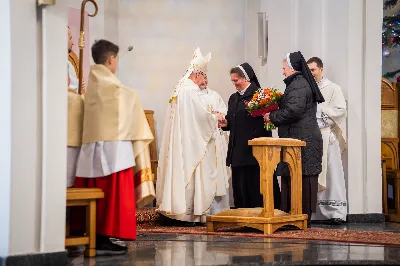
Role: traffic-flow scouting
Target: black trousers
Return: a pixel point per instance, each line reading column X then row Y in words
column 246, row 187
column 310, row 190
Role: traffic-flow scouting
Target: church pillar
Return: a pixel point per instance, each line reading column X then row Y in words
column 33, row 112
column 5, row 133
column 54, row 52
column 364, row 114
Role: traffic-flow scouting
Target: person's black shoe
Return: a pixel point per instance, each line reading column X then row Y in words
column 188, row 224
column 104, row 247
column 335, row 221
column 173, row 222
column 118, row 242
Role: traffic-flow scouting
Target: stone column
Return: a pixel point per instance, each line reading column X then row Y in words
column 34, row 129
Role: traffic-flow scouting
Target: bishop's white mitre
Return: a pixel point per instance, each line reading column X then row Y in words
column 199, row 62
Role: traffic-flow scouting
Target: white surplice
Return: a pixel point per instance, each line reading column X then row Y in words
column 214, row 102
column 72, row 159
column 331, row 114
column 74, row 82
column 72, row 152
column 188, row 180
column 102, row 158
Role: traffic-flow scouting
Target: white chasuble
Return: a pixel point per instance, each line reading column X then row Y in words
column 116, row 134
column 331, row 114
column 187, row 180
column 215, row 102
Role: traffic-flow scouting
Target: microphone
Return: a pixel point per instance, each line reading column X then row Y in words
column 130, row 48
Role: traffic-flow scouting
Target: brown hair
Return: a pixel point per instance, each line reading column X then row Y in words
column 102, row 50
column 238, row 71
column 316, row 60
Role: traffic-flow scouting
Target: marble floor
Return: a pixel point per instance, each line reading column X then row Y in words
column 171, row 250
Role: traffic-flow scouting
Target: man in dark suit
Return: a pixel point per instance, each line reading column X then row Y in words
column 243, row 127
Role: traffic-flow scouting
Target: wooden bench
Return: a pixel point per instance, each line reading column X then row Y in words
column 85, row 197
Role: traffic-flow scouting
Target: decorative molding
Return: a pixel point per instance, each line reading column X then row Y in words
column 389, row 151
column 388, row 95
column 389, row 124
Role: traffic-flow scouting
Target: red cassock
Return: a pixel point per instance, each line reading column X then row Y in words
column 116, row 212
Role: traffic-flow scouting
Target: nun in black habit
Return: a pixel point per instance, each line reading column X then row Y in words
column 243, row 127
column 296, row 118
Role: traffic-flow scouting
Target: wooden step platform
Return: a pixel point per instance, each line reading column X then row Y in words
column 254, row 218
column 267, row 151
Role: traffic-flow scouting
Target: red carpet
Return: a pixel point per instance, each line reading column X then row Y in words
column 148, row 222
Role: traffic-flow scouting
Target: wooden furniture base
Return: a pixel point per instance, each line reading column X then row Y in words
column 392, row 217
column 85, row 197
column 267, row 151
column 253, row 218
column 385, row 206
column 393, row 178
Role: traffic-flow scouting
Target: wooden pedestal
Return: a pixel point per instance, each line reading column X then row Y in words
column 267, row 151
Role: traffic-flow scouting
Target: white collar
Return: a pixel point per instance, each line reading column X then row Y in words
column 243, row 91
column 323, row 83
column 203, row 91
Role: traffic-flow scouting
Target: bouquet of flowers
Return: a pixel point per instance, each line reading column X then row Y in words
column 264, row 101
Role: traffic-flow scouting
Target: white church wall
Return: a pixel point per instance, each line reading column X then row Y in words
column 166, row 33
column 280, row 41
column 111, row 21
column 251, row 45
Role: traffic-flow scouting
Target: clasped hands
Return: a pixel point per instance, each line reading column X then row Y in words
column 221, row 119
column 266, row 117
